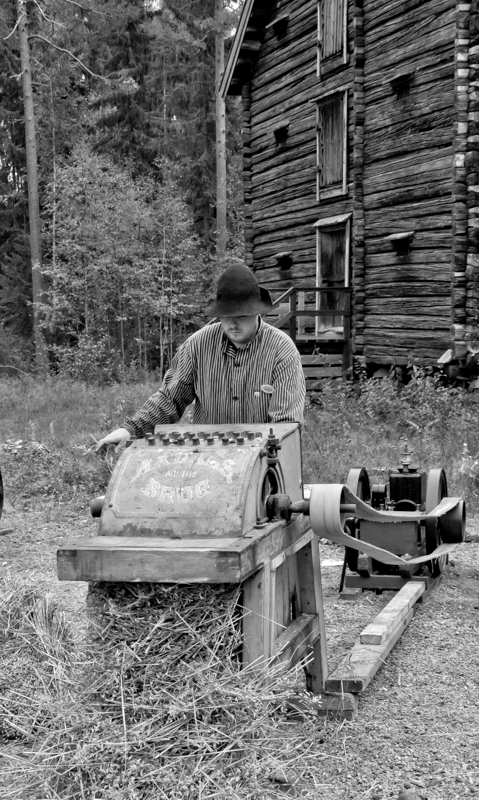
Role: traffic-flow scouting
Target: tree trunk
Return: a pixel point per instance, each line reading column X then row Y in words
column 220, row 133
column 32, row 179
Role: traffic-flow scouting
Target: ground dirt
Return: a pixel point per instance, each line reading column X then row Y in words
column 418, row 723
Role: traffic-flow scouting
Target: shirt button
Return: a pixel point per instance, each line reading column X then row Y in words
column 235, row 397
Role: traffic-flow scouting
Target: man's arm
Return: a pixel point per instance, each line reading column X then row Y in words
column 169, row 402
column 289, row 389
column 164, row 406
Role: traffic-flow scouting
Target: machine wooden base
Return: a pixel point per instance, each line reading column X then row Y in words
column 277, row 566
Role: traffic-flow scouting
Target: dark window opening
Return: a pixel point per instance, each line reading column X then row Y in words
column 279, row 25
column 281, row 136
column 284, row 260
column 401, row 243
column 401, row 86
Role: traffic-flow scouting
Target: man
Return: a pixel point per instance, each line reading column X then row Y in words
column 238, row 370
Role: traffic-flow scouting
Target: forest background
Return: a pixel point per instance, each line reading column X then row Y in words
column 123, row 98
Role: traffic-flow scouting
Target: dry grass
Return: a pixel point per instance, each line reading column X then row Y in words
column 152, row 704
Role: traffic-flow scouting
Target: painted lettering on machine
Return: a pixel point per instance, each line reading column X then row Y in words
column 178, row 483
column 222, row 465
column 172, row 494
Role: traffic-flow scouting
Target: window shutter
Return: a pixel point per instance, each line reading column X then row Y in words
column 331, row 144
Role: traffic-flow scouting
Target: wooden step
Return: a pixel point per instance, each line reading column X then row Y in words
column 321, row 367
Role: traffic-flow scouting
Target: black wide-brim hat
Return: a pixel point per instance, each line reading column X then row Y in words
column 239, row 294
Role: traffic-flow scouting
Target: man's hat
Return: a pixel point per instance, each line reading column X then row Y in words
column 239, row 294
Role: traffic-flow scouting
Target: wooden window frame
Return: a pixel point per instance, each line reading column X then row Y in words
column 335, row 61
column 340, row 222
column 341, row 188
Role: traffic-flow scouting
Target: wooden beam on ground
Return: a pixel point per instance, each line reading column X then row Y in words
column 361, row 664
column 392, row 614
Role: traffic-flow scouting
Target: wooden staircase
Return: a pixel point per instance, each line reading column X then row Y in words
column 325, row 351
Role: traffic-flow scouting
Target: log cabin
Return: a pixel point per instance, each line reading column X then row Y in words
column 361, row 174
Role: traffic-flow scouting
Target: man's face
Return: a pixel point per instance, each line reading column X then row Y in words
column 240, row 330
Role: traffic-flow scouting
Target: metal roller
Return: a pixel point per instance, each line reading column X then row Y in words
column 436, row 489
column 359, row 483
column 452, row 526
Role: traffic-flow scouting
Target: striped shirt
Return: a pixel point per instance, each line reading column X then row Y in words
column 260, row 382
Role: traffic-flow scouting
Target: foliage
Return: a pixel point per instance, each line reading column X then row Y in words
column 48, row 429
column 126, row 272
column 135, row 80
column 158, row 105
column 366, row 424
column 15, row 351
column 64, row 416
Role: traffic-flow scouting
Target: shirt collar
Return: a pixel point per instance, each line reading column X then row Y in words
column 227, row 344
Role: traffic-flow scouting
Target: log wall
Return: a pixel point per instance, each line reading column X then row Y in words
column 408, row 179
column 468, row 284
column 412, row 77
column 282, row 184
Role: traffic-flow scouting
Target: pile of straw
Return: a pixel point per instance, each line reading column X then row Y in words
column 153, row 704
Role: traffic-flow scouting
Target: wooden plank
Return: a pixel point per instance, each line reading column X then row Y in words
column 291, row 550
column 280, row 592
column 145, row 563
column 113, row 543
column 409, row 338
column 403, row 356
column 382, row 626
column 407, row 288
column 409, row 306
column 319, row 669
column 253, row 619
column 321, row 359
column 311, row 602
column 263, row 545
column 361, row 664
column 401, row 322
column 295, row 641
column 323, row 372
column 267, row 610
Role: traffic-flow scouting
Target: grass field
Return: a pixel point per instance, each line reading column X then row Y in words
column 47, row 429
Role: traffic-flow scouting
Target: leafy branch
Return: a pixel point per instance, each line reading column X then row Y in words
column 69, row 53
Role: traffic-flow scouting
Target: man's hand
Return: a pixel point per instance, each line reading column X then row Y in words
column 119, row 437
